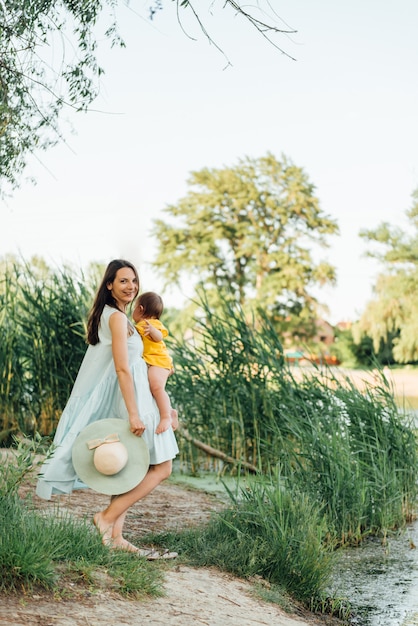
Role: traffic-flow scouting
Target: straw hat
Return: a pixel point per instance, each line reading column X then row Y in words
column 109, row 458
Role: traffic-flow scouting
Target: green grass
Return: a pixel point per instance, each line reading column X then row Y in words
column 44, row 550
column 266, row 532
column 276, row 538
column 40, row 551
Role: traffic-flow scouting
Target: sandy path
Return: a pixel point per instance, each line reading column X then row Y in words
column 193, row 596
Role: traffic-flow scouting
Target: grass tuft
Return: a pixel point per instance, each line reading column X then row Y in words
column 34, row 547
column 268, row 532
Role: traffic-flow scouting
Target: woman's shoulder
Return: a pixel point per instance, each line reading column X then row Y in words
column 108, row 311
column 107, row 327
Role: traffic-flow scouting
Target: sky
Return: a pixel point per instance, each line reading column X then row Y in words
column 344, row 109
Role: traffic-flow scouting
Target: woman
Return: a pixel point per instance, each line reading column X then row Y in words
column 112, row 383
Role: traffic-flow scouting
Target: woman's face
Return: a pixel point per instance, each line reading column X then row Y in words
column 124, row 288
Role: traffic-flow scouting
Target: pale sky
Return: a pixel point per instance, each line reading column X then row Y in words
column 346, row 111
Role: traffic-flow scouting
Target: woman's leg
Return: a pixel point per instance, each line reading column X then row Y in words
column 157, row 377
column 117, row 532
column 110, row 521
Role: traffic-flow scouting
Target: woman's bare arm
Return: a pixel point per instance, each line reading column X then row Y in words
column 119, row 330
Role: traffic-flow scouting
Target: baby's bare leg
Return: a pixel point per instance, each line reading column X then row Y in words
column 157, row 377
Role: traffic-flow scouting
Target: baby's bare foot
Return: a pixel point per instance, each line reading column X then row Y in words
column 174, row 419
column 165, row 423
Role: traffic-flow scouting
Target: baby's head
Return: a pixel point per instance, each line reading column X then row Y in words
column 148, row 305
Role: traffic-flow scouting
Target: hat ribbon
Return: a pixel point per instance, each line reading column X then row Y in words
column 95, row 443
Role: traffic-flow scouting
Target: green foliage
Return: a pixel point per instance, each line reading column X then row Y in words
column 355, row 349
column 280, row 534
column 344, row 348
column 42, row 343
column 246, row 234
column 178, row 321
column 25, row 560
column 390, row 319
column 36, row 83
column 351, row 451
column 226, row 365
column 359, row 457
column 18, row 463
column 34, row 548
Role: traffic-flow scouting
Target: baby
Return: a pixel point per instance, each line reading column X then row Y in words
column 148, row 310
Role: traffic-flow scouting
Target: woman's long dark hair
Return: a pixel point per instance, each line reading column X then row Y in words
column 103, row 297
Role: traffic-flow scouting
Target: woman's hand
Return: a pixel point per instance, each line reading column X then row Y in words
column 137, row 427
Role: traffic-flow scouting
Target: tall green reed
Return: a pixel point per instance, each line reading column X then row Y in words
column 222, row 382
column 350, row 450
column 12, row 369
column 42, row 329
column 359, row 455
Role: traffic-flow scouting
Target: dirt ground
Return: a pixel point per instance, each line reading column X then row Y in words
column 191, row 595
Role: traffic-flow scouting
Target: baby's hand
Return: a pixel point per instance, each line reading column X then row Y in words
column 147, row 328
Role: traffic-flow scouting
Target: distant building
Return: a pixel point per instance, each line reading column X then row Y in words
column 325, row 336
column 324, row 333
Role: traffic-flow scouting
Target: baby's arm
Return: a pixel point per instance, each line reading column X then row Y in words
column 152, row 332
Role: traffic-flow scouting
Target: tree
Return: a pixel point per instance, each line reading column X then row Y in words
column 33, row 90
column 246, row 233
column 48, row 60
column 391, row 318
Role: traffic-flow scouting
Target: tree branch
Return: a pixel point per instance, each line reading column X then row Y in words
column 215, row 453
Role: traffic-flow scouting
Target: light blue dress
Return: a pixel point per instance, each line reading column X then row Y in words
column 96, row 395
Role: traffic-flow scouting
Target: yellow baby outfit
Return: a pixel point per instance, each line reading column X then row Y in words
column 155, row 352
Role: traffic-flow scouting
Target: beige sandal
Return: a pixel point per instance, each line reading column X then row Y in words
column 169, row 555
column 154, row 555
